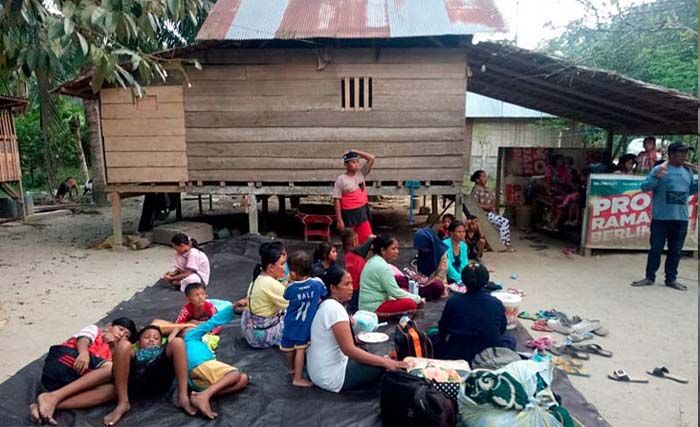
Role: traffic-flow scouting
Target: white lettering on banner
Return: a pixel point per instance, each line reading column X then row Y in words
column 601, row 205
column 640, row 201
column 619, row 234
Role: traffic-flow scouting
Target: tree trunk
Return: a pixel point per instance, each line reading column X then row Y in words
column 47, row 115
column 79, row 147
column 99, row 181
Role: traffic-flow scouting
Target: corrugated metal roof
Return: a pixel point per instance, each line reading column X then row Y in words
column 11, row 101
column 348, row 19
column 482, row 107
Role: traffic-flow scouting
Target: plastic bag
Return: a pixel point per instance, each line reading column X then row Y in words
column 517, row 395
column 365, row 321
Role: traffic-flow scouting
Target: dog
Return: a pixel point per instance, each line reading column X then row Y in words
column 68, row 186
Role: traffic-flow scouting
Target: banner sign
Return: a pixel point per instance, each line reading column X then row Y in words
column 619, row 214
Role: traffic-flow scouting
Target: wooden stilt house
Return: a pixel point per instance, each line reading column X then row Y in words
column 10, row 170
column 287, row 87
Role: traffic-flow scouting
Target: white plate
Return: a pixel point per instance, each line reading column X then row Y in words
column 373, row 337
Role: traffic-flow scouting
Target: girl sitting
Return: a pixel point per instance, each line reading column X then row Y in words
column 325, row 257
column 261, row 320
column 457, row 252
column 191, row 264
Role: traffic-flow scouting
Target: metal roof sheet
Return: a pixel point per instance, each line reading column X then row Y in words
column 348, row 19
column 484, row 107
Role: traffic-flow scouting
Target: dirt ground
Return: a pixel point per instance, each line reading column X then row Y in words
column 54, row 284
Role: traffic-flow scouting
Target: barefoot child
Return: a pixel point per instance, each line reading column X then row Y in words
column 208, row 376
column 198, row 309
column 77, row 372
column 147, row 369
column 304, row 295
column 324, row 258
column 191, row 264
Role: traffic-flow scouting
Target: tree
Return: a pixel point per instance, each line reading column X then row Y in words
column 47, row 42
column 654, row 42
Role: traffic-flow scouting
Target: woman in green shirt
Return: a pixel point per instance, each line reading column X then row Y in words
column 379, row 291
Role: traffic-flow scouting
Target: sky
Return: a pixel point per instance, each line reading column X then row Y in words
column 530, row 19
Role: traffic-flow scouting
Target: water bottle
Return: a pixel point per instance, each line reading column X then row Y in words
column 404, row 320
column 413, row 287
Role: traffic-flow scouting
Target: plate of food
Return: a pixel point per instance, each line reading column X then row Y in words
column 372, row 337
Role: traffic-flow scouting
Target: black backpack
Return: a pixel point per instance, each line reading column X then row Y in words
column 411, row 341
column 409, row 401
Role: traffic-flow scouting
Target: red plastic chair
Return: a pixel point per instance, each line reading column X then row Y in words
column 316, row 225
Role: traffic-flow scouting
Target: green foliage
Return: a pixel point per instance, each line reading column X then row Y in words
column 64, row 150
column 654, row 42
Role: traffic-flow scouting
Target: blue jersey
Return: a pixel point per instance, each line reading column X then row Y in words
column 304, row 298
column 670, row 194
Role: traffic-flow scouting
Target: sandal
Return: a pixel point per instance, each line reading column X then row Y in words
column 663, row 372
column 539, row 343
column 526, row 315
column 578, row 337
column 516, row 291
column 569, row 366
column 567, row 350
column 602, row 331
column 593, row 349
column 622, row 376
column 541, row 325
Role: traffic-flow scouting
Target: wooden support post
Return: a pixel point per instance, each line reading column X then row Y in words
column 294, row 201
column 253, row 214
column 265, row 204
column 117, row 237
column 282, row 205
column 211, row 202
column 199, row 202
column 459, row 212
column 178, row 207
column 609, row 146
column 434, row 204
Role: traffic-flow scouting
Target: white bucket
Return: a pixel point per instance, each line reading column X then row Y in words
column 511, row 302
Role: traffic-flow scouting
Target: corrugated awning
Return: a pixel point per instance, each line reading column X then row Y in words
column 598, row 97
column 348, row 19
column 12, row 101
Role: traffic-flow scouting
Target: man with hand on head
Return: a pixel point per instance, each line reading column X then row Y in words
column 350, row 195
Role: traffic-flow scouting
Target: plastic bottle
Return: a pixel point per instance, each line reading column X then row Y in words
column 413, row 287
column 404, row 319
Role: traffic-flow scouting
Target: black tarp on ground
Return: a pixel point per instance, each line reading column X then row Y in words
column 270, row 400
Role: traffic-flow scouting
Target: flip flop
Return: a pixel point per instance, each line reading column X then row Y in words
column 567, row 350
column 602, row 331
column 578, row 337
column 541, row 325
column 622, row 376
column 539, row 343
column 593, row 349
column 663, row 372
column 516, row 291
column 526, row 315
column 570, row 367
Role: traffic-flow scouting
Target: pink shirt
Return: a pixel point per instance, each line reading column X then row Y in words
column 194, row 260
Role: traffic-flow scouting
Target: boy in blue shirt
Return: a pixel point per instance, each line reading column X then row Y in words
column 304, row 296
column 671, row 183
column 209, row 377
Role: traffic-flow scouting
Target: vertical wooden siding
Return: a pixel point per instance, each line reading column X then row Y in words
column 144, row 140
column 9, row 153
column 271, row 115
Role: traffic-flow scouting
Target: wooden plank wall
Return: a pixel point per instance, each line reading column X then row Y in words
column 9, row 153
column 272, row 115
column 144, row 139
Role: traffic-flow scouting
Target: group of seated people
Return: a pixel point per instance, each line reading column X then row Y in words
column 309, row 318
